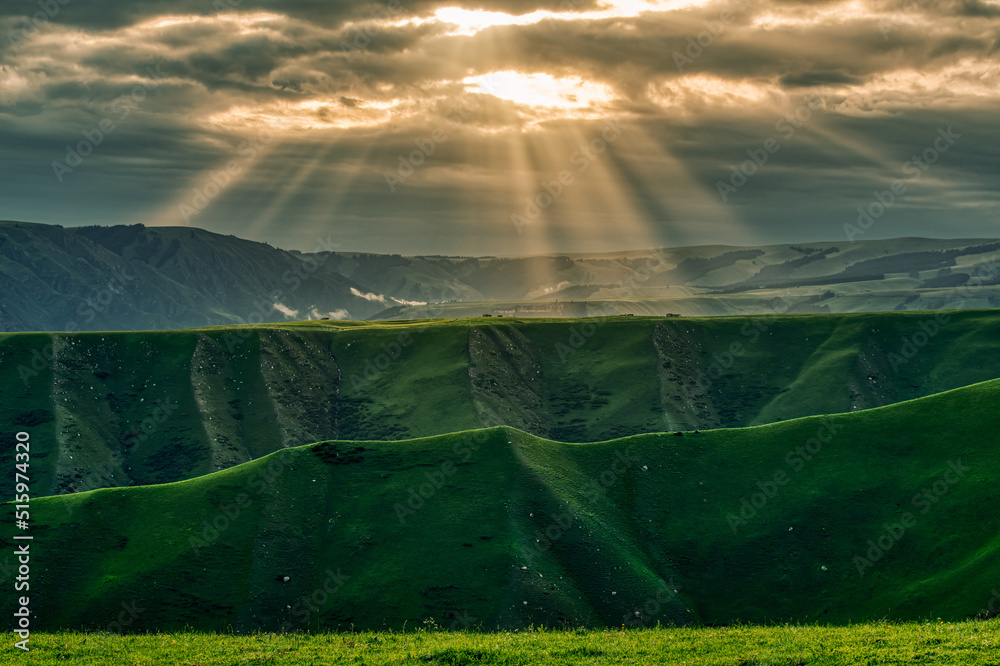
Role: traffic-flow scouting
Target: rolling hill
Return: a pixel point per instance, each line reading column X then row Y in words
column 883, row 513
column 121, row 409
column 149, row 278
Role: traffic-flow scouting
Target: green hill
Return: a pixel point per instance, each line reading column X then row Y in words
column 120, row 409
column 499, row 528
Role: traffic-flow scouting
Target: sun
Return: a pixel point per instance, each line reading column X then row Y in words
column 468, row 22
column 541, row 90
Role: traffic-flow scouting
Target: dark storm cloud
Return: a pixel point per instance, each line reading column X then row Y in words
column 810, row 79
column 974, row 8
column 626, row 53
column 110, row 14
column 350, row 89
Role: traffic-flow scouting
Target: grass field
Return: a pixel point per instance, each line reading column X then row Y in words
column 884, row 513
column 930, row 642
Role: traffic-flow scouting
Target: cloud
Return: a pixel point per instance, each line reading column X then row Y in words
column 336, row 314
column 285, row 310
column 511, row 89
column 545, row 291
column 384, row 299
column 403, row 301
column 811, row 79
column 368, row 296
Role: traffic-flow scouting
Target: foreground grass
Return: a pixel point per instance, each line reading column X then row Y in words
column 973, row 642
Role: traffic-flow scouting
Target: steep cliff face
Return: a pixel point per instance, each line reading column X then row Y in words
column 119, row 409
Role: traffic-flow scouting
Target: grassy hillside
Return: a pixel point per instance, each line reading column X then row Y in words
column 967, row 643
column 770, row 523
column 120, row 409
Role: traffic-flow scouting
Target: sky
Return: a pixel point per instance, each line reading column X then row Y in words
column 504, row 127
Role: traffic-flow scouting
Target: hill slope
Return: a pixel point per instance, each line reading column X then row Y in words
column 500, row 528
column 119, row 409
column 122, row 278
column 138, row 278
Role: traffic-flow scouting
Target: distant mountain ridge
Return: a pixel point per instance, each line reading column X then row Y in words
column 123, row 278
column 133, row 277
